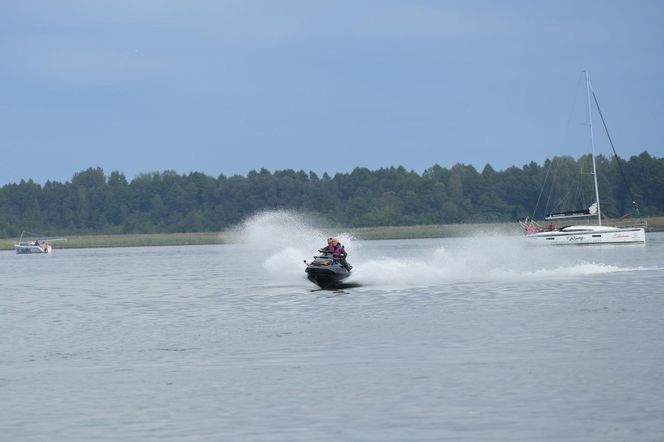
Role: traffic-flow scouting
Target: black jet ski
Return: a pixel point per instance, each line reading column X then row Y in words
column 326, row 271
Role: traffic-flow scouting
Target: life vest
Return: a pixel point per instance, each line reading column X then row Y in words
column 337, row 250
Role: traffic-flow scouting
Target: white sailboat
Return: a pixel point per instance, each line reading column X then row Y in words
column 581, row 234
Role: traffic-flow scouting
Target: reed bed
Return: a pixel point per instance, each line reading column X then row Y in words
column 655, row 224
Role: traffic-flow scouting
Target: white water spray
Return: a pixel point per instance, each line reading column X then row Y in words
column 285, row 239
column 482, row 259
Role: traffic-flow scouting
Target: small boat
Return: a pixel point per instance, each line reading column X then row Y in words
column 326, row 271
column 580, row 234
column 39, row 245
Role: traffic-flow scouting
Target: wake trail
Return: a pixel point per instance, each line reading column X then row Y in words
column 484, row 259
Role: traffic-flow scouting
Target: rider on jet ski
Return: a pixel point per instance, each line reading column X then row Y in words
column 338, row 251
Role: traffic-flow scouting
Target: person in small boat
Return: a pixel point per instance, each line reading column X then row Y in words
column 340, row 251
column 37, row 242
column 328, row 248
column 552, row 227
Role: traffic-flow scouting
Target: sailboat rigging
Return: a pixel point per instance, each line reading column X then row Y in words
column 587, row 233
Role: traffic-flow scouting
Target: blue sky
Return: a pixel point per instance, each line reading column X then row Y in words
column 230, row 86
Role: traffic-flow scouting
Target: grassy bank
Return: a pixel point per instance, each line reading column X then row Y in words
column 433, row 231
column 366, row 233
column 177, row 239
column 136, row 240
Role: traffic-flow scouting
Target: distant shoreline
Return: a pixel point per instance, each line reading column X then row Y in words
column 655, row 224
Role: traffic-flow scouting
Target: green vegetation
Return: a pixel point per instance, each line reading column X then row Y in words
column 134, row 240
column 366, row 233
column 177, row 239
column 93, row 203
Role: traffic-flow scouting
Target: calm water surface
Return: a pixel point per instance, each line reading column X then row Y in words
column 454, row 339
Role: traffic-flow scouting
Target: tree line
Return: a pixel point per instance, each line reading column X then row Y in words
column 162, row 202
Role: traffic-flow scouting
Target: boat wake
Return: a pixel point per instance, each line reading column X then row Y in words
column 492, row 259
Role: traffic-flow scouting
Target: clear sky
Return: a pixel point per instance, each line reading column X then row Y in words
column 229, row 86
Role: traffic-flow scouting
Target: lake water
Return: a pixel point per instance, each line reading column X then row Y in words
column 444, row 339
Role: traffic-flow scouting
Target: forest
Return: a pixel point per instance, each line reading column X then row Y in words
column 162, row 202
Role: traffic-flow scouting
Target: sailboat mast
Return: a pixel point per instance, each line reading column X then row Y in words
column 592, row 146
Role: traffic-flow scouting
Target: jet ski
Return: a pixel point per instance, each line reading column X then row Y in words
column 326, row 271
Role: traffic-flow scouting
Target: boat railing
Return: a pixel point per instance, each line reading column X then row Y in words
column 530, row 226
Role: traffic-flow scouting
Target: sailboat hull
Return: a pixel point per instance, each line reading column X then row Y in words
column 588, row 235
